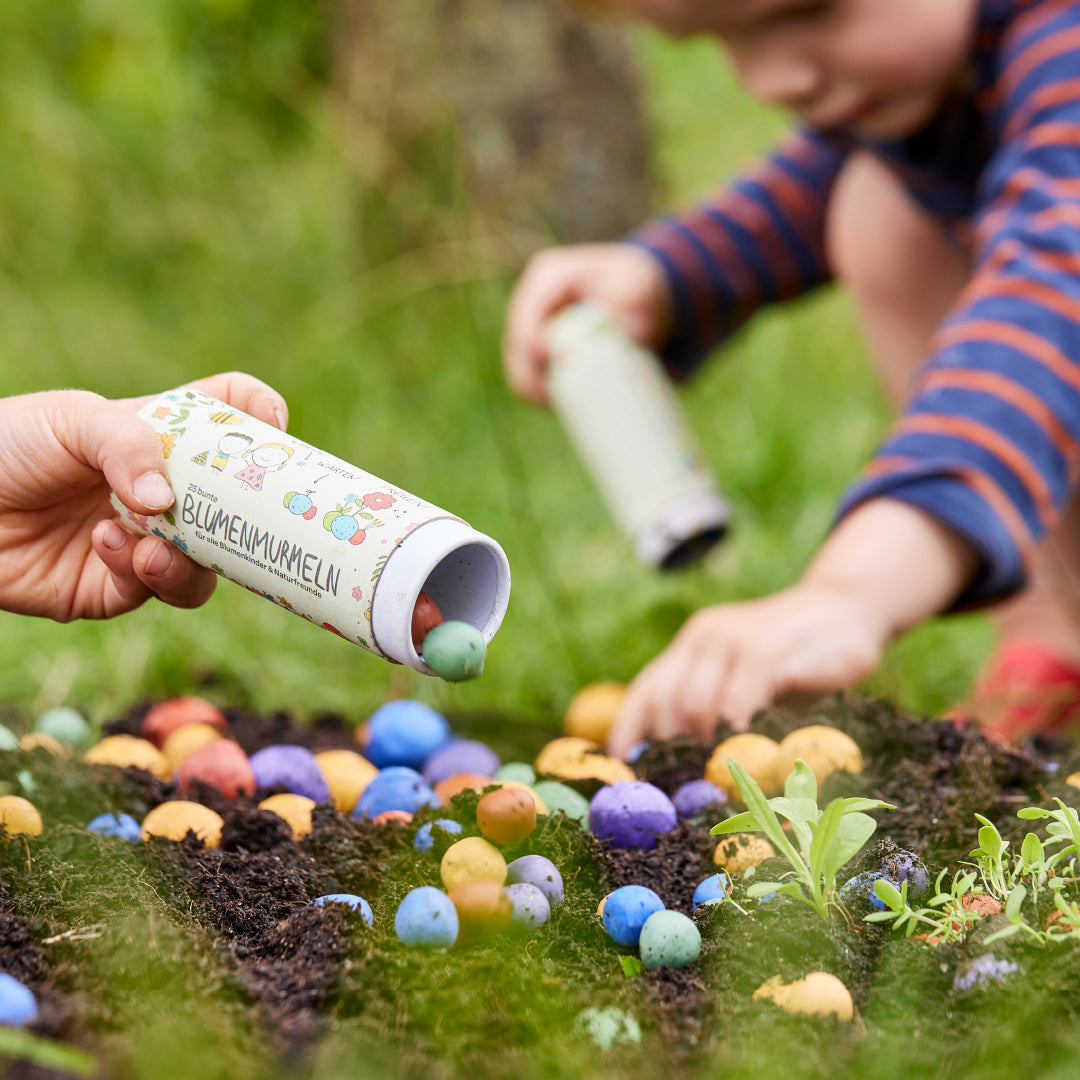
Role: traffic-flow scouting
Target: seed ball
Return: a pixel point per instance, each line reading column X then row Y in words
column 221, row 764
column 669, row 939
column 129, row 752
column 347, row 774
column 65, row 724
column 349, row 900
column 424, row 840
column 562, row 797
column 403, row 732
column 294, row 810
column 860, row 888
column 541, row 806
column 18, row 1006
column 592, row 710
column 755, row 753
column 816, row 994
column 696, row 796
column 123, row 826
column 455, row 651
column 446, row 790
column 392, row 817
column 427, row 918
column 739, row 851
column 38, row 740
column 625, row 910
column 531, row 907
column 715, row 889
column 186, row 740
column 164, row 718
column 397, row 787
column 425, row 616
column 19, row 815
column 174, row 820
column 607, row 1027
column 507, row 815
column 8, row 739
column 294, row 767
column 574, row 758
column 460, row 756
column 483, row 909
column 539, row 871
column 825, row 749
column 521, row 771
column 472, row 859
column 631, row 813
column 900, row 866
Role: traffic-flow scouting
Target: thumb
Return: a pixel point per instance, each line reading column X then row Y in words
column 110, row 438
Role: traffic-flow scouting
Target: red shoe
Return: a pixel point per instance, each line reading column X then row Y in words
column 1026, row 689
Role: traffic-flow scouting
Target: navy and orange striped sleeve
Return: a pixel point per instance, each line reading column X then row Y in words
column 759, row 240
column 989, row 441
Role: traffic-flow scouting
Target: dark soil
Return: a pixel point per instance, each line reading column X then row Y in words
column 168, row 959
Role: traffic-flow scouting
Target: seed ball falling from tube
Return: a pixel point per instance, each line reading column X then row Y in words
column 455, row 651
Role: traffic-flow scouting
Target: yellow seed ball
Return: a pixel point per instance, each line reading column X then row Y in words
column 816, row 994
column 592, row 710
column 737, row 852
column 40, row 740
column 186, row 740
column 127, row 751
column 472, row 859
column 823, row 748
column 295, row 810
column 19, row 815
column 574, row 758
column 755, row 753
column 346, row 773
column 600, row 907
column 173, row 821
column 1073, row 779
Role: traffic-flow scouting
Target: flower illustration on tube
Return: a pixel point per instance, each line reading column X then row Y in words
column 344, row 521
column 379, row 500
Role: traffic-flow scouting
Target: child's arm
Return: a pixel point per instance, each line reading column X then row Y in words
column 62, row 553
column 683, row 284
column 885, row 568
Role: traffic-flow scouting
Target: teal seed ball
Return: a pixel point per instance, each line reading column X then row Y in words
column 669, row 939
column 64, row 724
column 8, row 739
column 455, row 651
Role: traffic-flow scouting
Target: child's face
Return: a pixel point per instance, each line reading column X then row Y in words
column 881, row 67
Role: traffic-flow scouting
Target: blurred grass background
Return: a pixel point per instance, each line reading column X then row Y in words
column 177, row 198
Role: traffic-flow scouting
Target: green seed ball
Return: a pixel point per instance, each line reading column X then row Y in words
column 65, row 724
column 8, row 739
column 562, row 797
column 455, row 651
column 670, row 939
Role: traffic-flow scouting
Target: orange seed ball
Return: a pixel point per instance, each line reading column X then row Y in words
column 483, row 909
column 186, row 740
column 506, row 815
column 592, row 710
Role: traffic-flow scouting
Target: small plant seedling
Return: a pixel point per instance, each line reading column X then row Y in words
column 825, row 839
column 946, row 917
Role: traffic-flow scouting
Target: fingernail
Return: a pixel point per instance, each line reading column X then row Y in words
column 281, row 415
column 160, row 561
column 153, row 491
column 112, row 536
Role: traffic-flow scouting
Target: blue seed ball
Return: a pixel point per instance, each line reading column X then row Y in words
column 293, row 766
column 861, row 887
column 459, row 756
column 427, row 918
column 539, row 871
column 121, row 825
column 349, row 900
column 713, row 890
column 18, row 1006
column 669, row 939
column 396, row 787
column 626, row 910
column 455, row 651
column 563, row 797
column 65, row 724
column 531, row 907
column 404, row 732
column 424, row 840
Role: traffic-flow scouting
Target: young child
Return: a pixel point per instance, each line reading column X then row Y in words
column 62, row 553
column 934, row 170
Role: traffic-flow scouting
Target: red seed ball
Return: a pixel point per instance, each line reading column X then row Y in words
column 507, row 815
column 483, row 910
column 389, row 817
column 222, row 765
column 426, row 614
column 163, row 719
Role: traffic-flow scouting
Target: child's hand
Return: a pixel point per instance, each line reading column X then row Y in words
column 62, row 553
column 733, row 659
column 623, row 278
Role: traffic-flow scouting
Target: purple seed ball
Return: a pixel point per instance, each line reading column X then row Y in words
column 631, row 813
column 539, row 871
column 697, row 795
column 293, row 766
column 460, row 756
column 531, row 906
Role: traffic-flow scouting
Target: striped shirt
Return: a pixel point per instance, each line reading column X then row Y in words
column 988, row 443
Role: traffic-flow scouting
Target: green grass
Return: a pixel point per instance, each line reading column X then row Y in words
column 176, row 199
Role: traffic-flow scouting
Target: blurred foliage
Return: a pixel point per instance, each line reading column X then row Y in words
column 179, row 196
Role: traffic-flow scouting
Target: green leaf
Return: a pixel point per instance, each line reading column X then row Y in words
column 1004, row 932
column 824, row 834
column 767, row 821
column 881, row 916
column 763, row 888
column 1030, row 813
column 888, row 894
column 1015, row 902
column 745, row 822
column 802, row 784
column 990, row 841
column 45, row 1052
column 853, row 804
column 631, row 966
column 852, row 834
column 1031, row 850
